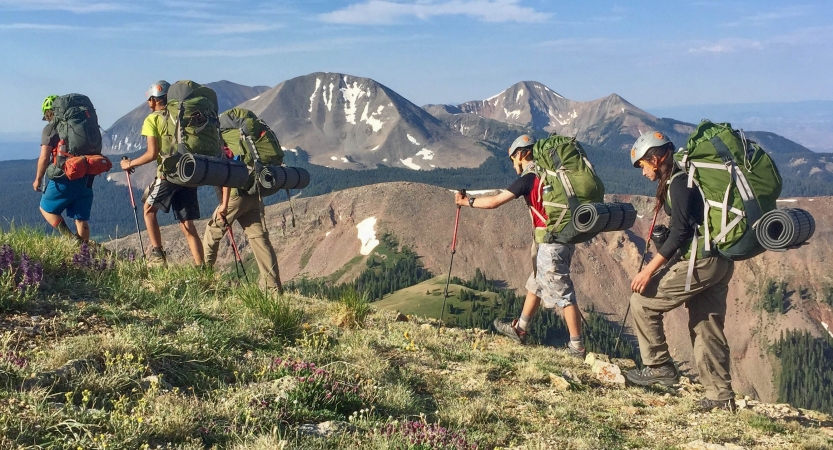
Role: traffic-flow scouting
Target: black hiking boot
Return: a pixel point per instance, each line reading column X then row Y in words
column 706, row 405
column 665, row 374
column 511, row 330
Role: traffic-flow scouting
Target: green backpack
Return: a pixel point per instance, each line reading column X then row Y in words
column 252, row 140
column 191, row 125
column 739, row 183
column 77, row 124
column 568, row 180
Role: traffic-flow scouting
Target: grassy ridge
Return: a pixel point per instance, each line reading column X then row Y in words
column 107, row 355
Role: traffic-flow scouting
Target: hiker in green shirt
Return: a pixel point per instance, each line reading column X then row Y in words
column 162, row 194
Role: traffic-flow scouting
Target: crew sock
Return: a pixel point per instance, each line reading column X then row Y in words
column 523, row 322
column 575, row 342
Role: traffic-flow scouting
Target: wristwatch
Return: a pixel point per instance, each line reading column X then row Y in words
column 471, row 202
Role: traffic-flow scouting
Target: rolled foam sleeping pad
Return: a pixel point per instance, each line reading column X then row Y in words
column 276, row 178
column 781, row 229
column 200, row 170
column 622, row 217
column 591, row 217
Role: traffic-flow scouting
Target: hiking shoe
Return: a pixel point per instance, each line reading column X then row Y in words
column 665, row 375
column 511, row 330
column 706, row 405
column 156, row 257
column 576, row 353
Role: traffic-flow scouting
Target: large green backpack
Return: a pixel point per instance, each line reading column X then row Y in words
column 739, row 183
column 568, row 180
column 252, row 140
column 191, row 125
column 77, row 124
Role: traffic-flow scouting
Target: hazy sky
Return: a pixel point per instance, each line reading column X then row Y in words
column 653, row 53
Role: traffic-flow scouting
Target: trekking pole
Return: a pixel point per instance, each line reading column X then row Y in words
column 641, row 263
column 135, row 211
column 453, row 251
column 236, row 251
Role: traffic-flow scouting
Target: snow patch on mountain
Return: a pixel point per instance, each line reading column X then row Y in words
column 409, row 163
column 352, row 94
column 334, row 158
column 314, row 91
column 367, row 235
column 512, row 114
column 371, row 119
column 413, row 140
column 375, row 148
column 520, row 94
column 328, row 100
column 255, row 98
column 425, row 153
column 344, row 159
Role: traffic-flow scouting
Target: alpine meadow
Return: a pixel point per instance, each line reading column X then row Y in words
column 416, row 224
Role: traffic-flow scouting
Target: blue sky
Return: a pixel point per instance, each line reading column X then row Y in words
column 653, row 53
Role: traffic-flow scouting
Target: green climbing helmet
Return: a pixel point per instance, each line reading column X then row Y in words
column 47, row 105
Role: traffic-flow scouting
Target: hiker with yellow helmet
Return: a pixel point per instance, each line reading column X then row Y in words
column 61, row 194
column 550, row 281
column 658, row 289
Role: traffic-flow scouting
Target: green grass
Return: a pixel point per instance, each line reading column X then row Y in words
column 126, row 358
column 426, row 299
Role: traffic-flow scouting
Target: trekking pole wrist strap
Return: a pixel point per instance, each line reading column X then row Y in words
column 471, row 202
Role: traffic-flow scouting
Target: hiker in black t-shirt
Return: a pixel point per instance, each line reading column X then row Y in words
column 550, row 282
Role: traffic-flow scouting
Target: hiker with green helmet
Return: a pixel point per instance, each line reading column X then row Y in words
column 550, row 281
column 162, row 194
column 661, row 287
column 61, row 194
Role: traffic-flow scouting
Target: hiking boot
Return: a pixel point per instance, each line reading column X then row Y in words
column 576, row 353
column 156, row 257
column 665, row 375
column 511, row 330
column 706, row 405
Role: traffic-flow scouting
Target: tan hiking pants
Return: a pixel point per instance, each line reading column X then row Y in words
column 248, row 211
column 706, row 303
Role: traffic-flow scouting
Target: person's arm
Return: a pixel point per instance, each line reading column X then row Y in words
column 683, row 200
column 222, row 210
column 490, row 202
column 149, row 156
column 43, row 162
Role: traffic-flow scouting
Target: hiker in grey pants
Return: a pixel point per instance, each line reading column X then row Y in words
column 658, row 289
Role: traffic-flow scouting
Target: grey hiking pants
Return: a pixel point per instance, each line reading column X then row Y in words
column 248, row 211
column 706, row 303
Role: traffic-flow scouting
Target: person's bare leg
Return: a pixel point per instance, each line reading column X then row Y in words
column 194, row 243
column 573, row 318
column 152, row 225
column 531, row 305
column 82, row 228
column 57, row 222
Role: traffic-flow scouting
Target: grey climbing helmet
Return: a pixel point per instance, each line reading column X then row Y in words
column 647, row 141
column 158, row 89
column 522, row 141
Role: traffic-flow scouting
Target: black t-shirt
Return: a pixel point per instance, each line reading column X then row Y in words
column 49, row 136
column 686, row 211
column 523, row 186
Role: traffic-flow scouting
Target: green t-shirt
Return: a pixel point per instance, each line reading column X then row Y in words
column 154, row 126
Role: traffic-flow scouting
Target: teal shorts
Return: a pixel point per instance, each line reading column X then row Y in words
column 74, row 197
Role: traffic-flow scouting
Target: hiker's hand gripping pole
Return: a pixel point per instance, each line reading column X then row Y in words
column 237, row 257
column 641, row 264
column 453, row 251
column 127, row 172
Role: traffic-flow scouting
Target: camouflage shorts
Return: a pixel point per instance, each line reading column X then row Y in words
column 550, row 279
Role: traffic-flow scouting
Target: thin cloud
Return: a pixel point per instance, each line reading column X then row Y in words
column 239, row 28
column 767, row 17
column 729, row 45
column 301, row 47
column 74, row 6
column 377, row 12
column 38, row 27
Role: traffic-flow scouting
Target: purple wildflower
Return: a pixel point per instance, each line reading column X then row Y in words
column 6, row 257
